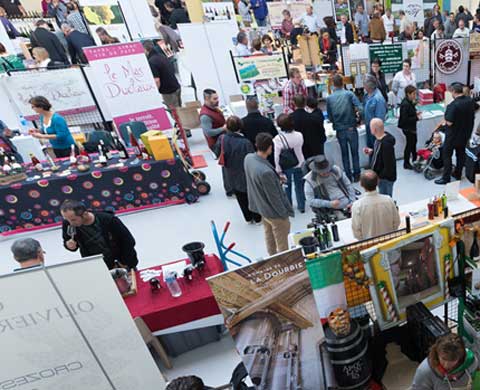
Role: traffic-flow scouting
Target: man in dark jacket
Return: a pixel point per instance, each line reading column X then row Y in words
column 97, row 233
column 311, row 127
column 459, row 118
column 43, row 37
column 346, row 33
column 177, row 15
column 255, row 123
column 383, row 157
column 76, row 42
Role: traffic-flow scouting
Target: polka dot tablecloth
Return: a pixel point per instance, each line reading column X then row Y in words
column 35, row 202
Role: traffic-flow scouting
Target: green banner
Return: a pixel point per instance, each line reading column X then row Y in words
column 325, row 270
column 390, row 55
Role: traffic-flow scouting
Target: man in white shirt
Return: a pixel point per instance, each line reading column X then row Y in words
column 242, row 45
column 439, row 32
column 461, row 31
column 388, row 22
column 310, row 21
column 373, row 214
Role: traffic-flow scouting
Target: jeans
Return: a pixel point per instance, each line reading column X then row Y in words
column 348, row 138
column 410, row 147
column 261, row 22
column 295, row 176
column 370, row 138
column 276, row 234
column 385, row 187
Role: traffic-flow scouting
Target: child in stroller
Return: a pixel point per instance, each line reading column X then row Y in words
column 429, row 160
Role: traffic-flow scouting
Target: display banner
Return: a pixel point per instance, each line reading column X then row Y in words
column 105, row 14
column 391, row 56
column 218, row 11
column 66, row 89
column 414, row 10
column 127, row 84
column 474, row 45
column 260, row 67
column 297, row 10
column 270, row 311
column 67, row 327
column 451, row 58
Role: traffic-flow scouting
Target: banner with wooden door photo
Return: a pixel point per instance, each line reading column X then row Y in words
column 270, row 312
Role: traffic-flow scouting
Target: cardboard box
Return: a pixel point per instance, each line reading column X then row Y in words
column 189, row 115
column 161, row 149
column 146, row 136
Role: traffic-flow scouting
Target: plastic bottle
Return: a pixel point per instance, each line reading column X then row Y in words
column 73, row 158
column 173, row 285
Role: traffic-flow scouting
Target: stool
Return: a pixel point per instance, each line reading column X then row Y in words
column 152, row 341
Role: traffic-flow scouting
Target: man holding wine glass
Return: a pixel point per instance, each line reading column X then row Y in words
column 97, row 233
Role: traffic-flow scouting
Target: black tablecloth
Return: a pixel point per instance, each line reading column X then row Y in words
column 34, row 202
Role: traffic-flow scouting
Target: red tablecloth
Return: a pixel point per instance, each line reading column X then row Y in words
column 160, row 310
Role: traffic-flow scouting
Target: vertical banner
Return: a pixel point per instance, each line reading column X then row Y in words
column 270, row 311
column 451, row 60
column 127, row 84
column 105, row 14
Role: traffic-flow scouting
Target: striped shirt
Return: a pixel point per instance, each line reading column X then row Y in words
column 75, row 19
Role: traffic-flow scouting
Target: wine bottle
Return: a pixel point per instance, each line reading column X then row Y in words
column 143, row 150
column 36, row 162
column 120, row 146
column 7, row 169
column 474, row 249
column 336, row 237
column 134, row 144
column 105, row 151
column 102, row 159
column 73, row 158
column 16, row 167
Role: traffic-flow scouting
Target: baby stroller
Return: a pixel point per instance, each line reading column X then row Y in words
column 429, row 160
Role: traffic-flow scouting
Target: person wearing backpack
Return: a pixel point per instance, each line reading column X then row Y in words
column 328, row 187
column 289, row 158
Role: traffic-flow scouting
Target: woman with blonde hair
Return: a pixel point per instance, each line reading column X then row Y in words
column 449, row 366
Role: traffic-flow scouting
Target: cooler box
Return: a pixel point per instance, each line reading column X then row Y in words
column 160, row 146
column 145, row 139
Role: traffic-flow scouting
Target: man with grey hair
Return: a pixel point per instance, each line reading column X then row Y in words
column 76, row 41
column 375, row 106
column 28, row 253
column 241, row 49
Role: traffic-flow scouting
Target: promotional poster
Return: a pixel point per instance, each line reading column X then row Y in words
column 260, row 67
column 270, row 312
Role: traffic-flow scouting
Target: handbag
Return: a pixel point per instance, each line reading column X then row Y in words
column 288, row 159
column 221, row 157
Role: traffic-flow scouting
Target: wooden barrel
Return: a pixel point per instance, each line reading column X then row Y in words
column 348, row 355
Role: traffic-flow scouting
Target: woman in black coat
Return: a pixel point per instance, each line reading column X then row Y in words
column 235, row 146
column 328, row 49
column 376, row 71
column 408, row 123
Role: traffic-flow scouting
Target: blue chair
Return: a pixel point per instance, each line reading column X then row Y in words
column 137, row 128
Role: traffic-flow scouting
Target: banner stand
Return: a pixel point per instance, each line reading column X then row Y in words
column 105, row 123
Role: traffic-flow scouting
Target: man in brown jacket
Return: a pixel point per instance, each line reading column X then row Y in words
column 376, row 28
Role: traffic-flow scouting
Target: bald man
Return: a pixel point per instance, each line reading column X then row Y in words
column 383, row 157
column 373, row 214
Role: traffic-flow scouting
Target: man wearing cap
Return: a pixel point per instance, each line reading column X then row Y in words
column 28, row 253
column 328, row 187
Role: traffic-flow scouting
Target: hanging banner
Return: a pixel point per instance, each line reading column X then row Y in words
column 391, row 56
column 275, row 8
column 270, row 311
column 105, row 14
column 260, row 67
column 474, row 46
column 127, row 84
column 66, row 89
column 448, row 56
column 414, row 10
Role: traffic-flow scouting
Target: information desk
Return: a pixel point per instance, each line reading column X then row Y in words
column 160, row 310
column 122, row 186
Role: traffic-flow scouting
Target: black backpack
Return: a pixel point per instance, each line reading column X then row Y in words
column 288, row 158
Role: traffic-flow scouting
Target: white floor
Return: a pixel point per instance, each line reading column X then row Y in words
column 161, row 233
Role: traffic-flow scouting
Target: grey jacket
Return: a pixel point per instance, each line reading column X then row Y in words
column 265, row 192
column 321, row 191
column 427, row 379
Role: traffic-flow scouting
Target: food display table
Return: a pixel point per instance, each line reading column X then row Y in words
column 160, row 310
column 122, row 186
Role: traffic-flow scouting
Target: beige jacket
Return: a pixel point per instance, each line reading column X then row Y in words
column 373, row 215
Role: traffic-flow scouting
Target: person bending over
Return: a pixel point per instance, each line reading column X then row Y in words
column 97, row 233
